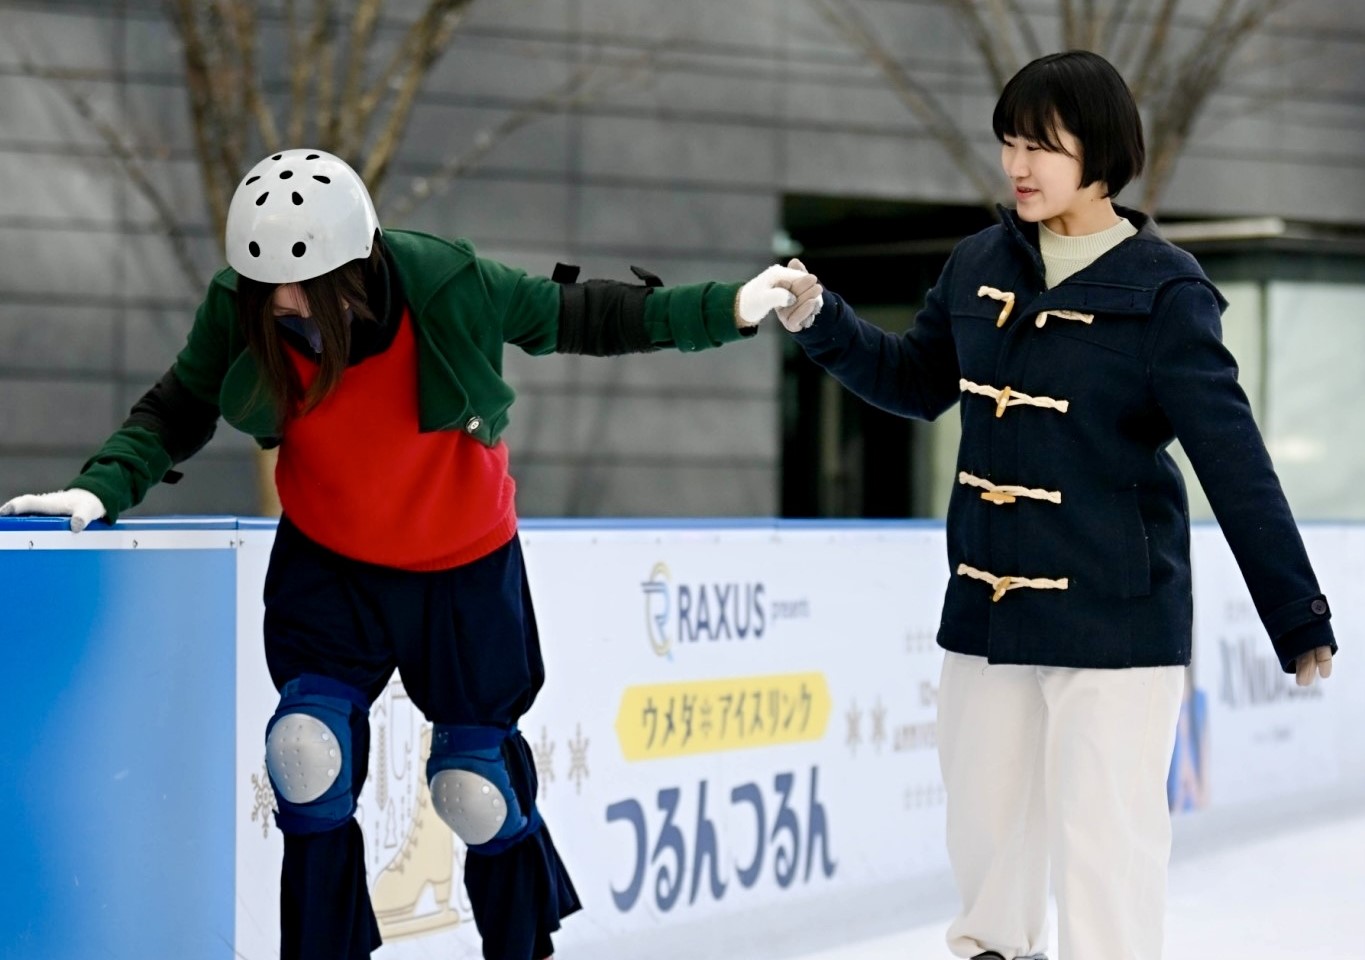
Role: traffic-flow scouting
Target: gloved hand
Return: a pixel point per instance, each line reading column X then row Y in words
column 1314, row 663
column 809, row 298
column 766, row 292
column 81, row 506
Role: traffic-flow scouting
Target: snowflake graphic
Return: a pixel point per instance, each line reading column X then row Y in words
column 264, row 803
column 855, row 728
column 578, row 758
column 878, row 725
column 544, row 752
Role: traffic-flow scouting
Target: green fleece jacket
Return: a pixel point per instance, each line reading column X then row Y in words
column 464, row 307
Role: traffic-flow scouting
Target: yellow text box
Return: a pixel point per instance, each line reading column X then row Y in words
column 708, row 716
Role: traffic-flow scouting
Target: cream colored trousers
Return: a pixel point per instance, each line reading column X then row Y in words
column 1050, row 765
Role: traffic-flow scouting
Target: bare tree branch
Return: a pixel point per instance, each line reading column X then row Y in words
column 1212, row 123
column 363, row 22
column 1195, row 82
column 1069, row 33
column 1150, row 64
column 430, row 35
column 916, row 96
column 298, row 73
column 1032, row 48
column 1004, row 38
column 198, row 80
column 318, row 62
column 230, row 82
column 1087, row 32
column 982, row 37
column 325, row 69
column 375, row 93
column 128, row 159
column 1172, row 82
column 384, row 84
column 245, row 27
column 1100, row 28
column 230, row 105
column 575, row 92
column 1321, row 75
column 227, row 87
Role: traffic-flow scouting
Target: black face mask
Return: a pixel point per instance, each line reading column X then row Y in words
column 306, row 327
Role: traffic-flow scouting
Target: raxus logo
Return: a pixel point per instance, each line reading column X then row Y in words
column 657, row 608
column 691, row 612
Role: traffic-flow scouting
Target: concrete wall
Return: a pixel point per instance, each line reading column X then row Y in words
column 680, row 167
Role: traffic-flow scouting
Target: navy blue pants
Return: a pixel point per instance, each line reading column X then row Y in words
column 466, row 646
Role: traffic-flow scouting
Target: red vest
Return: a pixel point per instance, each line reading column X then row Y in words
column 357, row 476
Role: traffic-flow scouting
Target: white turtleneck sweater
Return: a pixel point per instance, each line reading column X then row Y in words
column 1063, row 255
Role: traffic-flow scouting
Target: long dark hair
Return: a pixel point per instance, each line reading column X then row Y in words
column 280, row 382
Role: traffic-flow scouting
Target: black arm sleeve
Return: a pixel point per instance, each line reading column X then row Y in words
column 182, row 421
column 603, row 318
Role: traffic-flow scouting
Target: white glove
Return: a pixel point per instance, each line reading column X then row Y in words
column 765, row 293
column 1313, row 663
column 810, row 297
column 81, row 506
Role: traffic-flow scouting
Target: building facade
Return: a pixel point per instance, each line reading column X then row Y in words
column 718, row 136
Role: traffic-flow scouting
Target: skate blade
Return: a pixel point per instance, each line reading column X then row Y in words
column 398, row 927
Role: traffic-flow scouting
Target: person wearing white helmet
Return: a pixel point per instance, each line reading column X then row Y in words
column 372, row 359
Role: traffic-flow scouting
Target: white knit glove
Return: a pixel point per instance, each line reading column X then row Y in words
column 81, row 506
column 810, row 297
column 765, row 293
column 1313, row 663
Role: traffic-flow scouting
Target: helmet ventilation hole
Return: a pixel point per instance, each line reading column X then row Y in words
column 255, row 248
column 252, row 179
column 298, row 200
column 311, row 156
column 277, row 156
column 321, row 179
column 261, row 199
column 300, row 249
column 286, row 174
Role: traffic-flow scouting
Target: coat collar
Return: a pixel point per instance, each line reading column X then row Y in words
column 1025, row 236
column 1130, row 283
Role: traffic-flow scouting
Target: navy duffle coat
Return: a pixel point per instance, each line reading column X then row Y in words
column 1068, row 527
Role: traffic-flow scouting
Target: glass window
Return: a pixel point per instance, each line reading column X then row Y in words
column 1315, row 347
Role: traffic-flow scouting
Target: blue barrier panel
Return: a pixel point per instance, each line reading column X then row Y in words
column 117, row 778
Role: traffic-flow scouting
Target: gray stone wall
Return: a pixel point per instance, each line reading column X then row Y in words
column 679, row 166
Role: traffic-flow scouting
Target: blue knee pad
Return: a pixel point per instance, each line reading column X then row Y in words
column 309, row 753
column 471, row 787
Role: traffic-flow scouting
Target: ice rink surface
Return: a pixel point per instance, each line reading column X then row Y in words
column 1298, row 895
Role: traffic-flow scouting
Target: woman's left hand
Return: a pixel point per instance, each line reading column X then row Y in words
column 1313, row 664
column 792, row 292
column 809, row 298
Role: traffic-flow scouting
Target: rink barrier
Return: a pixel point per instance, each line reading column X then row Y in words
column 738, row 723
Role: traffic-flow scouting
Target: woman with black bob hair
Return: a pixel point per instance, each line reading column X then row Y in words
column 1080, row 344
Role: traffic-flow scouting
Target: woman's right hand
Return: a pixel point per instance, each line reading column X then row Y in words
column 81, row 506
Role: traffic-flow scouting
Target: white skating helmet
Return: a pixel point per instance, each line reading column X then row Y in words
column 298, row 214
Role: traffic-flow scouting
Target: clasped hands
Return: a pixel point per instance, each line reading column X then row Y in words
column 792, row 292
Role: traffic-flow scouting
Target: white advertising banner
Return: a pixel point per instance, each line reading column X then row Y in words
column 739, row 718
column 1263, row 735
column 732, row 718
